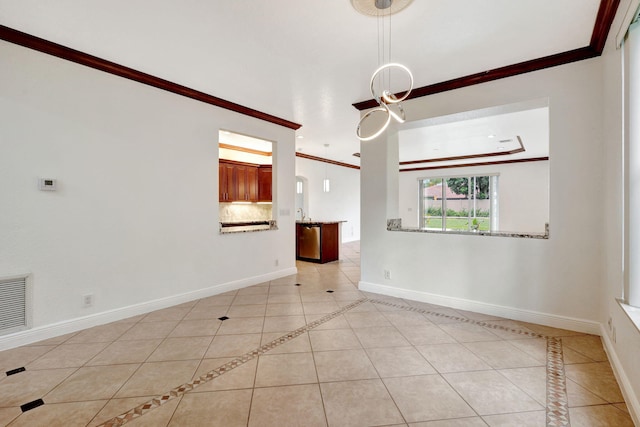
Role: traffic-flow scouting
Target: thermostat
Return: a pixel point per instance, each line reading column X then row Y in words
column 47, row 184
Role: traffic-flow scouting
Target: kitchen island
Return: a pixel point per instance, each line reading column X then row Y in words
column 318, row 241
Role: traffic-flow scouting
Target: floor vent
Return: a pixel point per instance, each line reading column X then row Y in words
column 13, row 304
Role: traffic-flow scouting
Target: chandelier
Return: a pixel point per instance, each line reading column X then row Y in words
column 389, row 104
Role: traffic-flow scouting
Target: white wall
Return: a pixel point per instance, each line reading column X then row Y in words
column 624, row 345
column 135, row 217
column 523, row 194
column 549, row 280
column 341, row 203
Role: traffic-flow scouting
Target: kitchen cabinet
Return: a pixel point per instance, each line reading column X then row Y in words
column 227, row 182
column 318, row 241
column 244, row 182
column 265, row 182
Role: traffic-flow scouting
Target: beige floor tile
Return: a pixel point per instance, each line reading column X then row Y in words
column 426, row 398
column 537, row 349
column 27, row 386
column 184, row 348
column 588, row 345
column 452, row 358
column 241, row 325
column 338, row 322
column 249, row 300
column 206, row 313
column 284, row 298
column 287, row 406
column 158, row 417
column 580, row 396
column 299, row 344
column 532, row 381
column 196, row 328
column 115, row 407
column 232, row 345
column 399, row 362
column 343, row 365
column 365, row 402
column 548, row 331
column 67, row 356
column 347, row 295
column 9, row 414
column 316, row 296
column 510, row 325
column 285, row 369
column 468, row 332
column 366, row 319
column 599, row 416
column 489, row 393
column 262, row 289
column 521, row 419
column 167, row 314
column 501, row 354
column 598, row 378
column 333, row 339
column 21, row 356
column 215, row 301
column 253, row 310
column 155, row 378
column 425, row 334
column 285, row 309
column 380, row 336
column 104, row 333
column 319, row 307
column 60, row 414
column 457, row 422
column 149, row 330
column 125, row 352
column 406, row 318
column 217, row 408
column 283, row 323
column 238, row 378
column 55, row 340
column 91, row 383
column 622, row 407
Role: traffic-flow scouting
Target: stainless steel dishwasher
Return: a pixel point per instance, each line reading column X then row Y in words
column 309, row 241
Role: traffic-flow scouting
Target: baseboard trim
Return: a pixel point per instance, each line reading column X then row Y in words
column 53, row 330
column 555, row 321
column 630, row 398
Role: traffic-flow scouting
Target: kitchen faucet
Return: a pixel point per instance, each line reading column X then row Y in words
column 301, row 214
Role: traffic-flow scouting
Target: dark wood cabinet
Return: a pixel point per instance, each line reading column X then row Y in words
column 244, row 182
column 227, row 182
column 265, row 182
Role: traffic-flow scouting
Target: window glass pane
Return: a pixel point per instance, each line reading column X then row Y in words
column 457, row 199
column 432, row 203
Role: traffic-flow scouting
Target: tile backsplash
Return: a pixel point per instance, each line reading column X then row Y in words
column 234, row 212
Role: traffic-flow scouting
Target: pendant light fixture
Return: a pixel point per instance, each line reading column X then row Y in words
column 389, row 104
column 326, row 185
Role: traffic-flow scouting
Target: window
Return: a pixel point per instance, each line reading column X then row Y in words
column 466, row 203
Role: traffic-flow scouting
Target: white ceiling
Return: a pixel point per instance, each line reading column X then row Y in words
column 305, row 61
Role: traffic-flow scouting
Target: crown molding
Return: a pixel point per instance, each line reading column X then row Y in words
column 604, row 19
column 45, row 46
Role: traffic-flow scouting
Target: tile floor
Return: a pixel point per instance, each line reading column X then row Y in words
column 293, row 353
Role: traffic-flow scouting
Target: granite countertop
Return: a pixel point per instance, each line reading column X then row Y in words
column 319, row 222
column 247, row 226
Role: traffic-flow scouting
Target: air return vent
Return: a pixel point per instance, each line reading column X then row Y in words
column 13, row 304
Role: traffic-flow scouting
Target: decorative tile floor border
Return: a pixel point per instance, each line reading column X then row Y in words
column 156, row 402
column 557, row 410
column 557, row 405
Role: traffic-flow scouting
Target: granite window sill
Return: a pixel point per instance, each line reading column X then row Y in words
column 396, row 225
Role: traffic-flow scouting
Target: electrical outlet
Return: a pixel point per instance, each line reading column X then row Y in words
column 387, row 274
column 609, row 322
column 277, row 262
column 613, row 335
column 87, row 300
